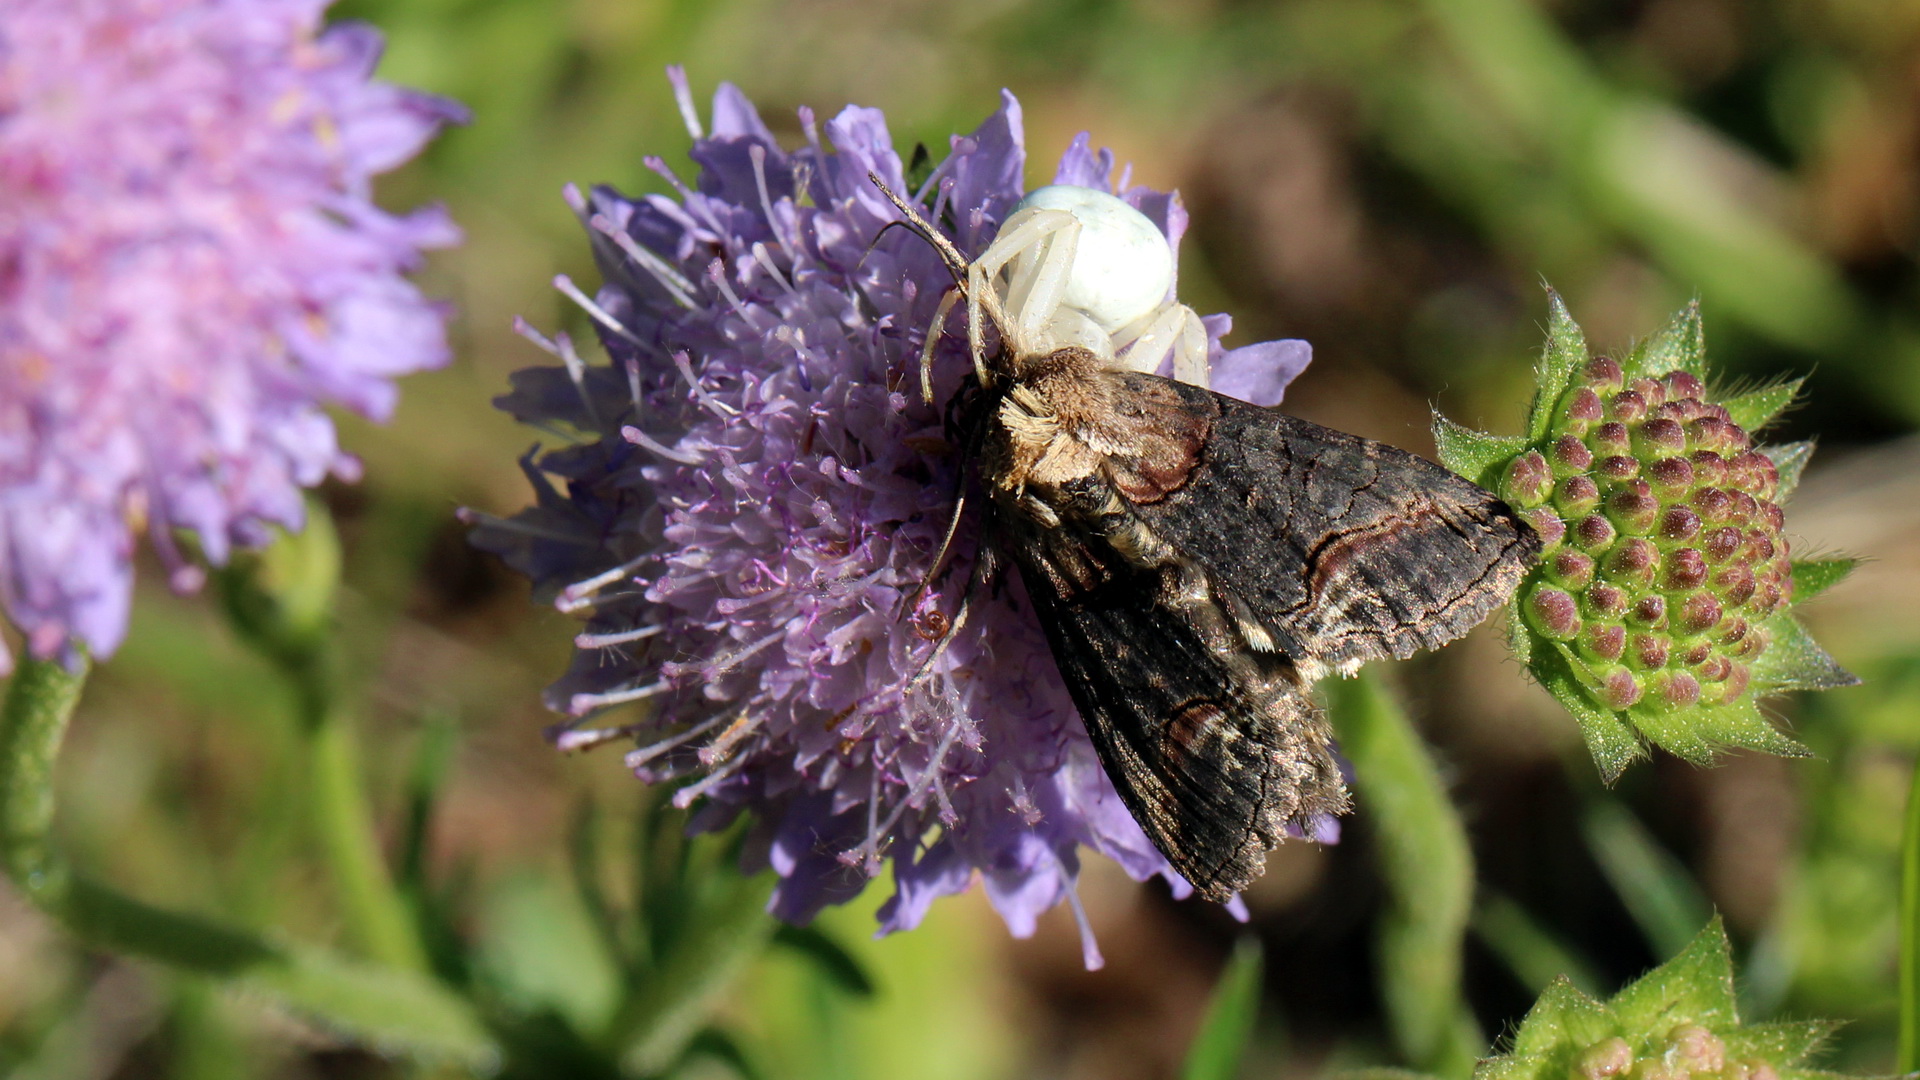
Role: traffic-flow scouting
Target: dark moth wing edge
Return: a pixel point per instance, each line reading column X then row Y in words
column 1192, row 672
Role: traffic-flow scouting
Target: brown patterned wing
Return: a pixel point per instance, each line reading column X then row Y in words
column 1214, row 748
column 1343, row 549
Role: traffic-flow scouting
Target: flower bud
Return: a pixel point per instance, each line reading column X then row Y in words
column 1555, row 613
column 1528, row 480
column 1571, row 456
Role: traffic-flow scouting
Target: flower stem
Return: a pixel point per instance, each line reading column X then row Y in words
column 1909, row 1058
column 344, row 826
column 1428, row 868
column 389, row 1008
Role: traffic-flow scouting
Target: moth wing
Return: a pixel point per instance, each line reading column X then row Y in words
column 1340, row 548
column 1214, row 750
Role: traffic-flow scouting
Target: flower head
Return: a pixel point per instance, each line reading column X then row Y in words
column 1661, row 606
column 1679, row 1021
column 758, row 493
column 191, row 266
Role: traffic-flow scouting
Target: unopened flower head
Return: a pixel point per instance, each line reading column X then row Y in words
column 759, row 491
column 1679, row 1021
column 1661, row 606
column 191, row 266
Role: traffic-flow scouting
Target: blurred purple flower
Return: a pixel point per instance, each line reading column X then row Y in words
column 191, row 266
column 757, row 492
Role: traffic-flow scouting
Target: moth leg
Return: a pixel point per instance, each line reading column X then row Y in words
column 972, row 451
column 985, row 567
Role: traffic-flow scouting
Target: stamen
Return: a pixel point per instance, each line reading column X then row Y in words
column 589, row 586
column 724, row 743
column 653, row 446
column 600, row 315
column 717, row 273
column 577, row 372
column 669, row 278
column 1089, row 948
column 722, row 666
column 637, row 758
column 568, row 741
column 582, row 704
column 683, row 95
column 926, row 778
column 766, row 262
column 624, row 637
column 713, row 404
column 758, row 154
column 686, row 795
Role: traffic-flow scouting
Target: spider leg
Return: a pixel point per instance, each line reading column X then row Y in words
column 933, row 339
column 1037, row 246
column 1170, row 327
column 1190, row 350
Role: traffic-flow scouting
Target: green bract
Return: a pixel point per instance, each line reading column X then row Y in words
column 1676, row 1022
column 1660, row 609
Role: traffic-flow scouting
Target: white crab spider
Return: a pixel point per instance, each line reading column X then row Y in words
column 1077, row 266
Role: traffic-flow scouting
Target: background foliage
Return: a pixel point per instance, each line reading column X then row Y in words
column 1390, row 179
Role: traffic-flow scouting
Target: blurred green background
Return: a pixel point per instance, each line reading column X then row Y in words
column 1391, row 179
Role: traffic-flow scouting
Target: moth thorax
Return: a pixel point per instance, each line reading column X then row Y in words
column 1070, row 361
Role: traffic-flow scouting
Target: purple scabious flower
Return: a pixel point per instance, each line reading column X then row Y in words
column 756, row 490
column 191, row 266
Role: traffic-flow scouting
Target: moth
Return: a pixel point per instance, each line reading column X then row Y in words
column 1197, row 561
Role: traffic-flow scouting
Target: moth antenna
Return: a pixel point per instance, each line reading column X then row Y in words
column 956, row 262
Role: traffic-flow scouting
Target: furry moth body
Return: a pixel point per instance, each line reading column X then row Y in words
column 1197, row 562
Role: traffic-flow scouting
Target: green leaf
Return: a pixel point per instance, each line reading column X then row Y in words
column 713, row 941
column 1663, row 899
column 1228, row 1025
column 1534, row 955
column 1794, row 661
column 1694, row 987
column 1428, row 867
column 1475, row 455
column 1565, row 354
column 1612, row 743
column 828, row 957
column 1758, row 408
column 1791, row 459
column 715, row 1044
column 1811, row 577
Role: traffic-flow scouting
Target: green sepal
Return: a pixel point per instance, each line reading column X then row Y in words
column 1563, row 1016
column 1695, row 987
column 1791, row 459
column 1794, row 661
column 1562, row 359
column 1475, row 455
column 1755, row 409
column 1811, row 577
column 1610, row 740
column 1680, row 346
column 1742, row 724
column 1782, row 1042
